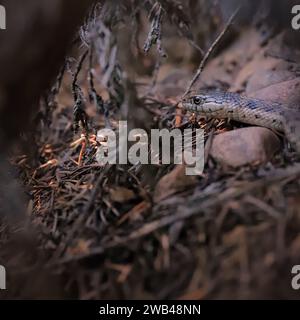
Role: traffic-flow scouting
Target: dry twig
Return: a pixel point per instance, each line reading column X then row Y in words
column 209, row 51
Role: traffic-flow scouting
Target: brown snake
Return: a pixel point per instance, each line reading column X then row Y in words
column 273, row 115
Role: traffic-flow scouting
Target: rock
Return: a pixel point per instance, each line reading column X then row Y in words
column 173, row 182
column 286, row 92
column 251, row 145
column 264, row 78
column 258, row 62
column 284, row 47
column 224, row 68
column 269, row 65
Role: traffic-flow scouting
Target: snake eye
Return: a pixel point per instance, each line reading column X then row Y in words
column 197, row 100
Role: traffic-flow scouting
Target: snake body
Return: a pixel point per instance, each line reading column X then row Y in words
column 272, row 115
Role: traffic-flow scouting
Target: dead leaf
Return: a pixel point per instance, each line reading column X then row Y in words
column 124, row 270
column 121, row 194
column 81, row 247
column 173, row 182
column 136, row 212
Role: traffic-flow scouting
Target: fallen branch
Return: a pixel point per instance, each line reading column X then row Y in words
column 196, row 206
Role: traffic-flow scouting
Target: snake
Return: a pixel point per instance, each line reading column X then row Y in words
column 237, row 107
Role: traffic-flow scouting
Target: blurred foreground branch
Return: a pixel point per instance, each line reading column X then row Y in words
column 33, row 48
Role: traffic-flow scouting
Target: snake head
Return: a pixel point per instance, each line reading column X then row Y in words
column 208, row 103
column 194, row 103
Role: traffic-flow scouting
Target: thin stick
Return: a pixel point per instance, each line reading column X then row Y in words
column 209, row 51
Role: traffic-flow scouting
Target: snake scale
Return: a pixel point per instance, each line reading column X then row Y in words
column 272, row 115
